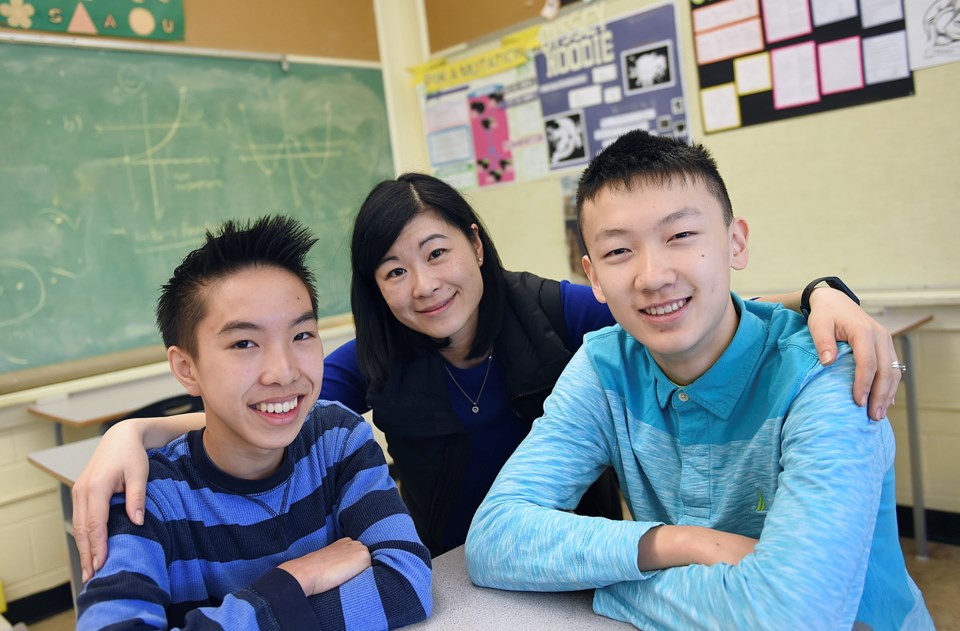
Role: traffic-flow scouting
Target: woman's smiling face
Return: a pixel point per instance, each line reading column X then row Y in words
column 430, row 279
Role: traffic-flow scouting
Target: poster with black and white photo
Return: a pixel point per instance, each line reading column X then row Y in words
column 566, row 144
column 600, row 77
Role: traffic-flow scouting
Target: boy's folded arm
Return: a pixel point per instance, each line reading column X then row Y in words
column 133, row 587
column 524, row 535
column 811, row 559
column 396, row 589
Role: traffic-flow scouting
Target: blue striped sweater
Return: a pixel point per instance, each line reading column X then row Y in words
column 767, row 443
column 207, row 554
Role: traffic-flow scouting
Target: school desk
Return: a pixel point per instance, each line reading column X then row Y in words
column 458, row 604
column 103, row 405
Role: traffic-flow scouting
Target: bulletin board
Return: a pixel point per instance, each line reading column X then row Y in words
column 550, row 97
column 765, row 60
column 638, row 83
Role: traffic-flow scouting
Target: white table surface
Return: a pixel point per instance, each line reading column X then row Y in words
column 459, row 605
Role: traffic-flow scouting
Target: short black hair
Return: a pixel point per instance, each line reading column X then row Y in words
column 386, row 211
column 639, row 158
column 270, row 241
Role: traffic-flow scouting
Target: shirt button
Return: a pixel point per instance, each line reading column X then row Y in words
column 683, row 397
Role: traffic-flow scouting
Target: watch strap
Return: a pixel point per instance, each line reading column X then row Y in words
column 833, row 282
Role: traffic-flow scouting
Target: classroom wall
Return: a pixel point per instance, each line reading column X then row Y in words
column 464, row 21
column 318, row 28
column 321, row 28
column 33, row 555
column 797, row 164
column 868, row 193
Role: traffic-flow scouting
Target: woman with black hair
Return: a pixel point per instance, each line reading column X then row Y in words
column 455, row 356
column 456, row 353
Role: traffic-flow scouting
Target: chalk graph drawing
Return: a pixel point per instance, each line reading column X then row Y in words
column 170, row 157
column 113, row 169
column 149, row 158
column 291, row 150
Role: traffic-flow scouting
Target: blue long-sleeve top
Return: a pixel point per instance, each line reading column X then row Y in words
column 207, row 554
column 494, row 432
column 767, row 444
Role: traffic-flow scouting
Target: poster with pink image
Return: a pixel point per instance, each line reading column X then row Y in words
column 491, row 135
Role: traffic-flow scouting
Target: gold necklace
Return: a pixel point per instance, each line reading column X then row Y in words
column 475, row 408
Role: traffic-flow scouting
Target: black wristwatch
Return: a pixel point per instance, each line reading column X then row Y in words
column 831, row 281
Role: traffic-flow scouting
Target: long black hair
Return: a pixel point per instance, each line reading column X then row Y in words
column 386, row 211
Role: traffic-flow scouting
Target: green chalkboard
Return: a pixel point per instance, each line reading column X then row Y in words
column 114, row 163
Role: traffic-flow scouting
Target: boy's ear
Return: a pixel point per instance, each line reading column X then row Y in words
column 184, row 369
column 594, row 281
column 739, row 255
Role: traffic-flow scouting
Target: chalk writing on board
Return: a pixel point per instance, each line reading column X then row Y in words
column 119, row 162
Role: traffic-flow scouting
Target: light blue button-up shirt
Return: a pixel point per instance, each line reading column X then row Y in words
column 767, row 443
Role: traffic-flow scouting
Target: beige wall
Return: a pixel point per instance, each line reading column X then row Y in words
column 316, row 28
column 319, row 28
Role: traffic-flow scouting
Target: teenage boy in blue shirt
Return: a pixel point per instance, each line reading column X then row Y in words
column 280, row 514
column 763, row 496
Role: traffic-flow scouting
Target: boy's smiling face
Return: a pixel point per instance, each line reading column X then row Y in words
column 258, row 367
column 660, row 257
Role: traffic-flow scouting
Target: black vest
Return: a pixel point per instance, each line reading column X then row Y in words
column 429, row 446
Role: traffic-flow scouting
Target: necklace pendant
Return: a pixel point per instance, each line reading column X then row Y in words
column 475, row 409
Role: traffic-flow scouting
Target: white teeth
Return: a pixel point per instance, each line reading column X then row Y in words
column 278, row 408
column 670, row 308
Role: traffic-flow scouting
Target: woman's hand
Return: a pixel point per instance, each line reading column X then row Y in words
column 119, row 463
column 834, row 317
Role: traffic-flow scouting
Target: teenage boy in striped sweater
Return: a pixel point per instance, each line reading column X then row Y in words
column 280, row 514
